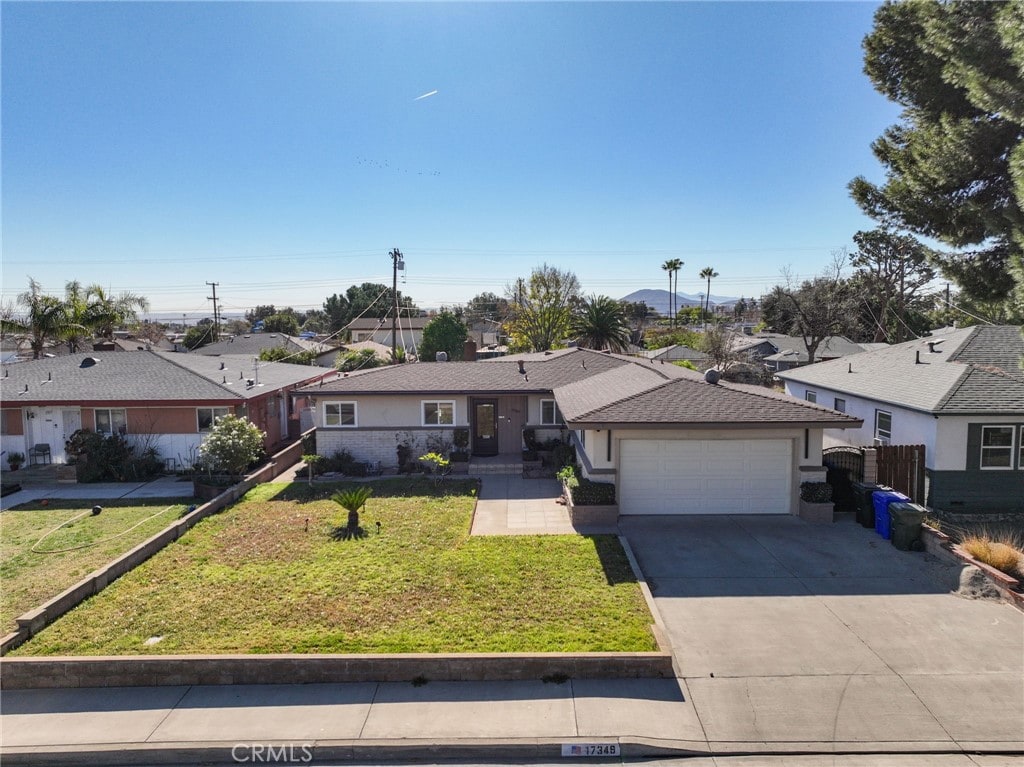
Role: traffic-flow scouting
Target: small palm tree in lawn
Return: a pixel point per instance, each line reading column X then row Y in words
column 352, row 501
column 602, row 324
column 709, row 273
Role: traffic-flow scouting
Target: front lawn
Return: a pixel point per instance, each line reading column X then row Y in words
column 69, row 553
column 265, row 576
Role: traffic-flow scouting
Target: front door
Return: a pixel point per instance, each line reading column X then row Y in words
column 485, row 427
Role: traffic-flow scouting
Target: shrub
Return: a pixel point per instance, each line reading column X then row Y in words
column 589, row 493
column 342, row 462
column 110, row 459
column 816, row 492
column 567, row 475
column 998, row 554
column 233, row 445
column 563, row 454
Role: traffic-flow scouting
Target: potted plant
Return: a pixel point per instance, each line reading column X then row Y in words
column 15, row 460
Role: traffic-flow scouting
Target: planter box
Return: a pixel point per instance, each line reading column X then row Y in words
column 67, row 474
column 207, row 491
column 817, row 512
column 459, row 467
column 591, row 516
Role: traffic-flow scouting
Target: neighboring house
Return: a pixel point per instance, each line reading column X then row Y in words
column 960, row 393
column 793, row 351
column 678, row 353
column 380, row 351
column 254, row 343
column 409, row 331
column 162, row 400
column 672, row 442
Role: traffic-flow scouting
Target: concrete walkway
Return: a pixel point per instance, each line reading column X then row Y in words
column 162, row 487
column 511, row 505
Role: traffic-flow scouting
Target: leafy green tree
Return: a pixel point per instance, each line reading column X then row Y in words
column 367, row 300
column 232, row 445
column 601, row 324
column 281, row 323
column 316, row 321
column 197, row 336
column 280, row 354
column 891, row 271
column 109, row 312
column 542, row 309
column 260, row 313
column 955, row 161
column 444, row 333
column 486, row 306
column 363, row 359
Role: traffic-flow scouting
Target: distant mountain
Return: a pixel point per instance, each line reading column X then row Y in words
column 658, row 299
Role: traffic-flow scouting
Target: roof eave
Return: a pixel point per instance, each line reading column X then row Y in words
column 730, row 425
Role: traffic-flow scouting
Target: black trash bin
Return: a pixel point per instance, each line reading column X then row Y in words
column 864, row 502
column 907, row 519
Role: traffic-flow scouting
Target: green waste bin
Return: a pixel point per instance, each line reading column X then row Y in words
column 906, row 525
column 864, row 504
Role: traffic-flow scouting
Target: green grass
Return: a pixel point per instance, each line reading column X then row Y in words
column 254, row 579
column 28, row 579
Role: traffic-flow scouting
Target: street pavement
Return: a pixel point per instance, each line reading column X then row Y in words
column 793, row 643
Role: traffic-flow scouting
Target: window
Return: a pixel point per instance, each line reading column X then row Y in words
column 439, row 413
column 883, row 427
column 111, row 421
column 340, row 414
column 840, row 405
column 549, row 413
column 207, row 416
column 997, row 447
column 811, row 396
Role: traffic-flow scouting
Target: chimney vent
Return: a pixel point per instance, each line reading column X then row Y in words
column 712, row 376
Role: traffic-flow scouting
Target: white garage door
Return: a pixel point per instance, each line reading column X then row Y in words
column 723, row 476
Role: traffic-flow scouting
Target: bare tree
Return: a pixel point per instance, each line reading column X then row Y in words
column 816, row 309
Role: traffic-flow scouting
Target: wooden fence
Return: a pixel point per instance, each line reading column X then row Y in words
column 901, row 467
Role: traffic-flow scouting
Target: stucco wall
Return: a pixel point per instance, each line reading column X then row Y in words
column 380, row 445
column 395, row 412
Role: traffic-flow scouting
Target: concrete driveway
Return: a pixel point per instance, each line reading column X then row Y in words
column 794, row 636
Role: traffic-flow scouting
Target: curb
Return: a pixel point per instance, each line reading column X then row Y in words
column 479, row 749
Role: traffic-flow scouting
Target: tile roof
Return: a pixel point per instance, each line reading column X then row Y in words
column 971, row 370
column 142, row 376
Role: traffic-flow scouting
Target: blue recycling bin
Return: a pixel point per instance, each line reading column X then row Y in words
column 881, row 500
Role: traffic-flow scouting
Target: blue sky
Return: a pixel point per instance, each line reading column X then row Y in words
column 280, row 149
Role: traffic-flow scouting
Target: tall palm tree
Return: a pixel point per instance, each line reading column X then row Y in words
column 672, row 266
column 602, row 324
column 669, row 266
column 709, row 273
column 107, row 312
column 45, row 320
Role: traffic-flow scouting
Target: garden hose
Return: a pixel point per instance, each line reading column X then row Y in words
column 35, row 550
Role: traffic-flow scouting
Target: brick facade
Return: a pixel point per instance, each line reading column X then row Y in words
column 380, row 445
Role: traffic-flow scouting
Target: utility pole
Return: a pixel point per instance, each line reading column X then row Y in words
column 397, row 262
column 216, row 317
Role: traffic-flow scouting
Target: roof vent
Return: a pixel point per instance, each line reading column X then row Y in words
column 522, row 368
column 88, row 362
column 712, row 376
column 222, row 366
column 933, row 344
column 440, row 356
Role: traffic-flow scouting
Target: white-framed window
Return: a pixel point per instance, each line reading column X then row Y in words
column 340, row 414
column 811, row 396
column 883, row 427
column 549, row 413
column 997, row 447
column 111, row 421
column 840, row 405
column 438, row 412
column 206, row 417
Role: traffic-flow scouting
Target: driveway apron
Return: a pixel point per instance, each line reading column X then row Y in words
column 825, row 637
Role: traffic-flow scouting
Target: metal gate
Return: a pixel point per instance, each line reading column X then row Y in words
column 845, row 466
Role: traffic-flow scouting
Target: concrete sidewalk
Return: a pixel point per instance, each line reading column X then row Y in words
column 161, row 487
column 527, row 719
